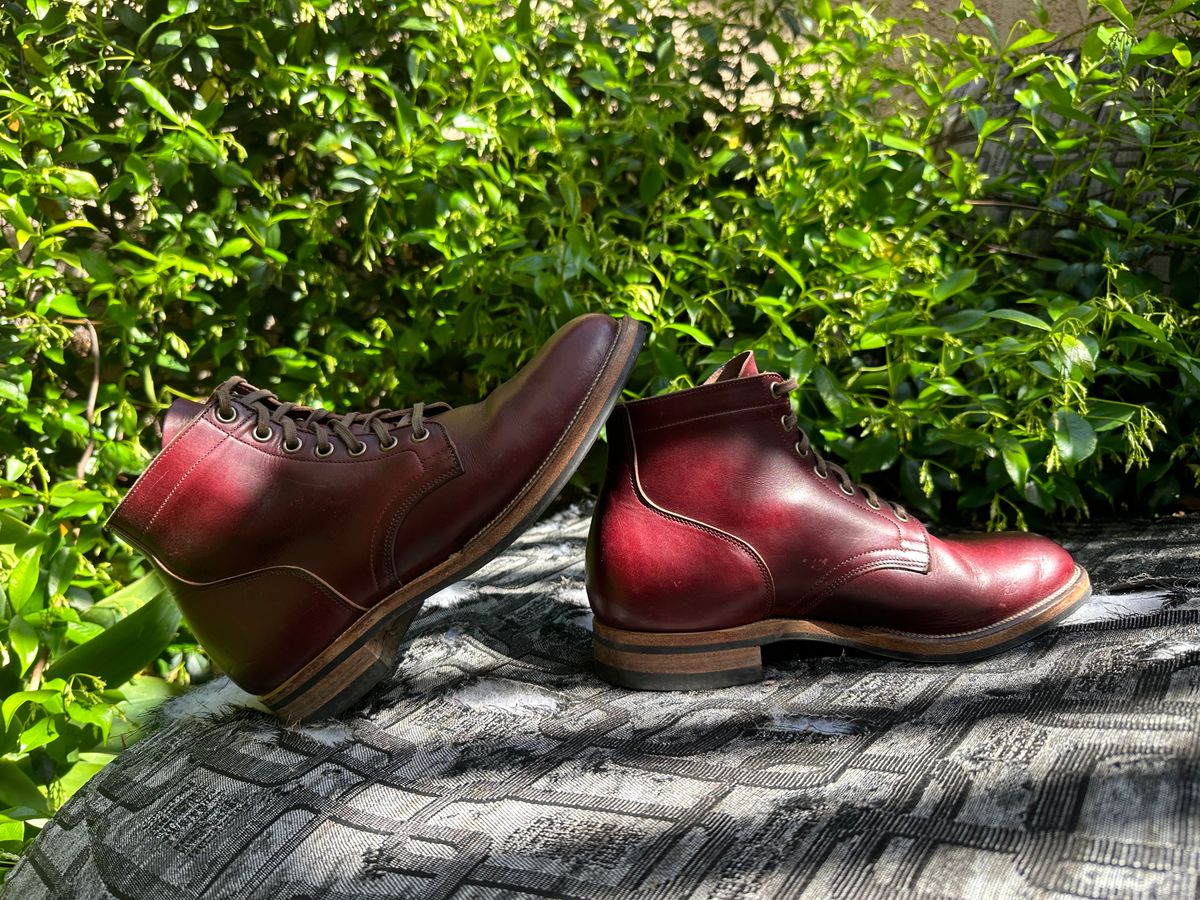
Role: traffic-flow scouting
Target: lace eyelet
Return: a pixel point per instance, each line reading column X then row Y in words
column 424, row 436
column 390, row 446
column 783, row 420
column 774, row 393
column 803, row 454
column 903, row 517
column 232, row 415
column 260, row 437
column 321, row 454
column 848, row 493
column 871, row 503
column 824, row 476
column 360, row 449
column 289, row 447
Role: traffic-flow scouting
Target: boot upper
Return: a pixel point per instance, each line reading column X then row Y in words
column 277, row 526
column 718, row 480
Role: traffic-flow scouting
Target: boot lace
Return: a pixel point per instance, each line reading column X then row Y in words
column 293, row 418
column 823, row 467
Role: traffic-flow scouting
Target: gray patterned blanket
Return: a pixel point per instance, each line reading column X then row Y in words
column 495, row 765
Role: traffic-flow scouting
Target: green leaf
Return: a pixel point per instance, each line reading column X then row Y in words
column 77, row 183
column 900, row 142
column 124, row 649
column 77, row 776
column 68, row 305
column 1016, row 460
column 1023, row 318
column 831, row 392
column 118, row 605
column 1119, row 12
column 955, row 283
column 24, row 578
column 854, row 238
column 1182, row 54
column 563, row 91
column 1032, row 39
column 1073, row 436
column 1154, row 44
column 691, row 331
column 18, row 790
column 40, row 733
column 61, row 571
column 24, row 641
column 155, row 99
column 963, row 320
column 48, row 698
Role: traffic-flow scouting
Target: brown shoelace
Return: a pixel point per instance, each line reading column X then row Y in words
column 269, row 410
column 823, row 467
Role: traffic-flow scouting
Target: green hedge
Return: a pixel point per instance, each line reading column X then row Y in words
column 374, row 201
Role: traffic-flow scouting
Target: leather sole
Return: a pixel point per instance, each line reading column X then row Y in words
column 701, row 660
column 367, row 652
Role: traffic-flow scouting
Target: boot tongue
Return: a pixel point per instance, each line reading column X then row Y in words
column 179, row 414
column 741, row 366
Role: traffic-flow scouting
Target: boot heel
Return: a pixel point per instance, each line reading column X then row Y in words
column 338, row 684
column 671, row 662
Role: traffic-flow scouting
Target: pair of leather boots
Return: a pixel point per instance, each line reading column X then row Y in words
column 300, row 544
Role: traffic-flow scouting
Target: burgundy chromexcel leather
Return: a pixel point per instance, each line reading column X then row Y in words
column 280, row 528
column 717, row 513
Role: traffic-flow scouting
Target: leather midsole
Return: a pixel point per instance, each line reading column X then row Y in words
column 768, row 631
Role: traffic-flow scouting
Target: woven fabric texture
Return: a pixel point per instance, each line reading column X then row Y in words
column 495, row 765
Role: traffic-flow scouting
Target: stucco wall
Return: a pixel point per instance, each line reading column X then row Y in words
column 1065, row 15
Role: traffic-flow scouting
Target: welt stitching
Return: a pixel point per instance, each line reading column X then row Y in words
column 768, row 584
column 1047, row 601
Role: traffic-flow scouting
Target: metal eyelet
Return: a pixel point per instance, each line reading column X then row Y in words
column 321, row 454
column 903, row 517
column 783, row 420
column 803, row 454
column 424, row 436
column 289, row 447
column 360, row 449
column 392, row 445
column 232, row 415
column 871, row 503
column 260, row 437
column 848, row 493
column 824, row 476
column 774, row 393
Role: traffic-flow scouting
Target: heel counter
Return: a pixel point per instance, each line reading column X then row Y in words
column 150, row 496
column 262, row 627
column 651, row 570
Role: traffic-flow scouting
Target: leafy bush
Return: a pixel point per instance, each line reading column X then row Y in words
column 976, row 257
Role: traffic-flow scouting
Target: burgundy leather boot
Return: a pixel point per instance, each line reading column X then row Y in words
column 721, row 528
column 300, row 544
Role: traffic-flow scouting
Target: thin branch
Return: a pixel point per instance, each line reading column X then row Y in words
column 90, row 412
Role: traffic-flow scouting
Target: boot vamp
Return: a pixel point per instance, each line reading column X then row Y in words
column 973, row 581
column 504, row 441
